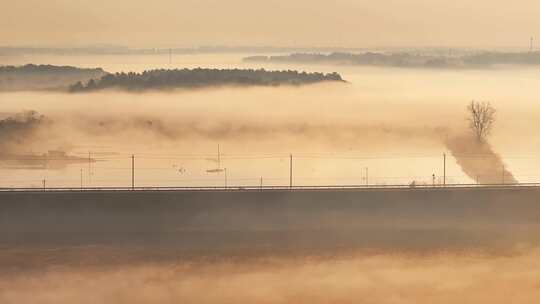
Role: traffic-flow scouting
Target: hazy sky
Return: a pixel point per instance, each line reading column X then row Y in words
column 357, row 23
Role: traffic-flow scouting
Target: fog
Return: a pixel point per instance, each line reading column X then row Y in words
column 479, row 161
column 385, row 278
column 240, row 120
column 384, row 126
column 17, row 130
column 395, row 122
column 335, row 130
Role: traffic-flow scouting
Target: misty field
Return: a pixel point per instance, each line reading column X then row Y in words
column 269, row 152
column 334, row 131
column 337, row 133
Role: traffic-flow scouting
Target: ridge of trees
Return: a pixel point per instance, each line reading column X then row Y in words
column 47, row 68
column 404, row 59
column 44, row 77
column 199, row 77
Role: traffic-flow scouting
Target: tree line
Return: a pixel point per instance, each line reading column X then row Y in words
column 405, row 59
column 199, row 77
column 47, row 68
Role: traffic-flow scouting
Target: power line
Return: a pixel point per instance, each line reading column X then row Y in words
column 255, row 156
column 292, row 178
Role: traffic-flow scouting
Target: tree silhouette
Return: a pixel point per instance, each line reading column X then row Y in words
column 195, row 78
column 481, row 119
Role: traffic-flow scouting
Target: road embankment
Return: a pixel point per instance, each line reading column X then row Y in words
column 402, row 219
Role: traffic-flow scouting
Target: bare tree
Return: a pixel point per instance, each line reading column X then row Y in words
column 481, row 118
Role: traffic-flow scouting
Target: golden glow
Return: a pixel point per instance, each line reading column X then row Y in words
column 358, row 23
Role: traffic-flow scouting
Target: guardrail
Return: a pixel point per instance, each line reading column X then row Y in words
column 276, row 188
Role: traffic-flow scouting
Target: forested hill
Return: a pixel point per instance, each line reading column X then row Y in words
column 200, row 78
column 44, row 77
column 370, row 58
column 46, row 69
column 404, row 59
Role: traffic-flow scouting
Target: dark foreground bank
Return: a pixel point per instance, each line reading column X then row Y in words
column 212, row 221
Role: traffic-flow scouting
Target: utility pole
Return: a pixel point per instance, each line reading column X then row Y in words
column 444, row 169
column 218, row 158
column 290, row 172
column 261, row 183
column 89, row 167
column 81, row 179
column 44, row 184
column 132, row 172
column 367, row 177
column 225, row 170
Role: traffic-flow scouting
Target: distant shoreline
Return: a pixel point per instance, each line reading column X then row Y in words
column 406, row 59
